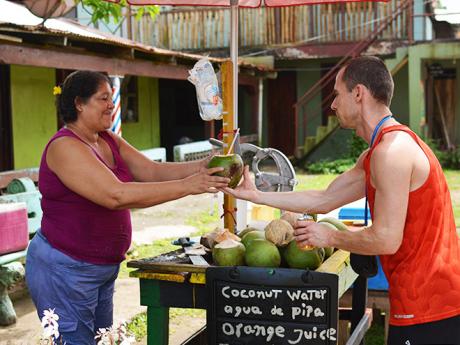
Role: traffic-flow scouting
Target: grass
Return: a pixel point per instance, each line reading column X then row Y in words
column 453, row 180
column 138, row 325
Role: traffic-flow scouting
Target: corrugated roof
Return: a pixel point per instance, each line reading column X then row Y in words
column 16, row 16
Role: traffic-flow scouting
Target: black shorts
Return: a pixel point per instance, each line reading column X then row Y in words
column 442, row 332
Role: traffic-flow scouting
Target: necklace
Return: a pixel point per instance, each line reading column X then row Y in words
column 76, row 131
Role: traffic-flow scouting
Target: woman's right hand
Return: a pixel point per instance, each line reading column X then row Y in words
column 205, row 182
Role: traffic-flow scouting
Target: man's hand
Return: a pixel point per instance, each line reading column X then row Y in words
column 313, row 234
column 246, row 190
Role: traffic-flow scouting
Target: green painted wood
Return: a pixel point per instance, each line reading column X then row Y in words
column 145, row 133
column 150, row 292
column 34, row 116
column 157, row 326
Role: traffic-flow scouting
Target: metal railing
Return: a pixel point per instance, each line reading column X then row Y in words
column 302, row 115
column 209, row 28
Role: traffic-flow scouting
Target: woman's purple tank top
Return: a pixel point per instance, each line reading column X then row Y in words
column 77, row 226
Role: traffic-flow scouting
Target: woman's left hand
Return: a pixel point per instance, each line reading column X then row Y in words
column 203, row 164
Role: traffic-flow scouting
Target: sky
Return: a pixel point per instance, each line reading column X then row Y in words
column 451, row 11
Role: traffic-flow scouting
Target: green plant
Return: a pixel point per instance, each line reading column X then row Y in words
column 105, row 11
column 138, row 326
column 356, row 146
column 449, row 159
column 331, row 167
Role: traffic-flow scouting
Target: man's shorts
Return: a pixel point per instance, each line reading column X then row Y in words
column 80, row 293
column 442, row 332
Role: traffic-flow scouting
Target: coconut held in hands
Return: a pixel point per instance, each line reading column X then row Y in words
column 279, row 232
column 233, row 167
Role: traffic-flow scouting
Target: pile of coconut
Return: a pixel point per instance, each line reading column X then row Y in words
column 273, row 246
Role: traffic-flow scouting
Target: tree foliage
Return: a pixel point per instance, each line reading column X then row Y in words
column 107, row 11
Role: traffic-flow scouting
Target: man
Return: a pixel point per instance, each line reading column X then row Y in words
column 413, row 227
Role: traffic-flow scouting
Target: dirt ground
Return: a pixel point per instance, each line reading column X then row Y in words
column 174, row 213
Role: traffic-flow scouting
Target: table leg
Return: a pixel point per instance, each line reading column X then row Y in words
column 359, row 302
column 157, row 326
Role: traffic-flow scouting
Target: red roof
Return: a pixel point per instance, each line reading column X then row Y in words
column 241, row 3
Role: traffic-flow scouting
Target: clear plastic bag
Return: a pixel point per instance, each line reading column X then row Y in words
column 204, row 78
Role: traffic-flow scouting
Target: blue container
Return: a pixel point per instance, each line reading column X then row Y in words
column 353, row 213
column 379, row 282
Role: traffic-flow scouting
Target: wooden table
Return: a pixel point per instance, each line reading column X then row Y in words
column 160, row 291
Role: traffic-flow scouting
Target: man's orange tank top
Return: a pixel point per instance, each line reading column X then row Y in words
column 424, row 274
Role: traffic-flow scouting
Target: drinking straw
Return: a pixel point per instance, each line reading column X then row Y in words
column 233, row 141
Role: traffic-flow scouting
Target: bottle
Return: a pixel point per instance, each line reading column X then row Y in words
column 308, row 218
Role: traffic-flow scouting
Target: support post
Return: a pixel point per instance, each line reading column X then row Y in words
column 228, row 134
column 358, row 302
column 157, row 326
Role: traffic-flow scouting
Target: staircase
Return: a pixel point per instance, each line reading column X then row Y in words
column 309, row 143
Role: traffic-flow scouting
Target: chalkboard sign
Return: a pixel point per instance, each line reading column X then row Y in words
column 249, row 305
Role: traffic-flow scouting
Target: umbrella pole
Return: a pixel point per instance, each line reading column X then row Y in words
column 230, row 102
column 234, row 56
column 228, row 134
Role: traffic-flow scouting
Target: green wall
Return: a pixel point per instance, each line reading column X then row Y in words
column 399, row 104
column 145, row 133
column 309, row 73
column 34, row 118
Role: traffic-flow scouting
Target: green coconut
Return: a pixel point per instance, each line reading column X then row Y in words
column 279, row 232
column 233, row 167
column 298, row 258
column 262, row 253
column 337, row 223
column 251, row 236
column 247, row 230
column 329, row 250
column 228, row 253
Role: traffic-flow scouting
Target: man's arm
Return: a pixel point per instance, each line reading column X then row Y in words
column 347, row 187
column 391, row 168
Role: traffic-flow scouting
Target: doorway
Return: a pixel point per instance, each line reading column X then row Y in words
column 6, row 135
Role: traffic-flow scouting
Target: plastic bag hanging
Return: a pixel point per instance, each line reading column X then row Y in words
column 204, row 78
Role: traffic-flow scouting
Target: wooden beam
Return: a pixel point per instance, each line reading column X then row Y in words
column 24, row 55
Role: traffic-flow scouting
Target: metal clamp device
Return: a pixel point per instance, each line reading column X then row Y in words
column 280, row 178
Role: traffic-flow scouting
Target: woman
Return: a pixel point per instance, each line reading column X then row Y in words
column 89, row 179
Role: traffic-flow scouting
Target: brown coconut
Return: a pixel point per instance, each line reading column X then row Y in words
column 290, row 217
column 279, row 232
column 217, row 236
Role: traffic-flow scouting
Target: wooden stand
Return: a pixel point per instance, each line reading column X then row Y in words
column 161, row 291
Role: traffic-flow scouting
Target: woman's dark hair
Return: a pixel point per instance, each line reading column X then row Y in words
column 371, row 72
column 81, row 84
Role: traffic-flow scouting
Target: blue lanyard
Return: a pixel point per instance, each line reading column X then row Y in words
column 376, row 129
column 374, row 134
